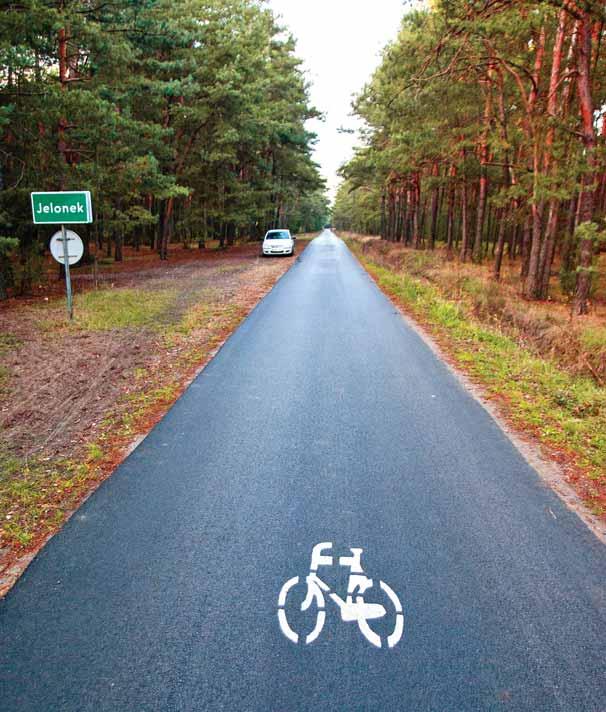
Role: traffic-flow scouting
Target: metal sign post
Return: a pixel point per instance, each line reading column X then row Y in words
column 67, row 248
column 71, row 207
column 68, row 281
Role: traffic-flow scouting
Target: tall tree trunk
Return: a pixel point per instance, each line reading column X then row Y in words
column 202, row 239
column 382, row 229
column 415, row 212
column 397, row 215
column 531, row 285
column 408, row 224
column 3, row 284
column 433, row 229
column 483, row 156
column 547, row 246
column 531, row 254
column 450, row 213
column 230, row 234
column 464, row 254
column 568, row 248
column 601, row 190
column 166, row 228
column 62, row 123
column 587, row 197
column 498, row 257
column 513, row 242
column 391, row 215
column 509, row 178
column 118, row 246
column 526, row 237
column 422, row 220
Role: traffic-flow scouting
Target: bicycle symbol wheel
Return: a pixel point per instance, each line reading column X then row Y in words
column 374, row 638
column 318, row 603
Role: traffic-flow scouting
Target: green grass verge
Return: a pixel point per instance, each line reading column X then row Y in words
column 107, row 309
column 7, row 343
column 35, row 494
column 563, row 410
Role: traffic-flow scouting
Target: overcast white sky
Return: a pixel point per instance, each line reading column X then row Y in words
column 340, row 42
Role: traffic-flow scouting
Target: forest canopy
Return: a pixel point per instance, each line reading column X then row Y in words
column 484, row 129
column 184, row 118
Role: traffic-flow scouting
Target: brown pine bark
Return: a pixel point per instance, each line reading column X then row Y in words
column 382, row 228
column 587, row 197
column 422, row 220
column 450, row 213
column 62, row 123
column 512, row 244
column 166, row 227
column 404, row 215
column 509, row 178
column 464, row 253
column 118, row 246
column 526, row 238
column 408, row 222
column 465, row 249
column 416, row 233
column 483, row 156
column 549, row 165
column 399, row 215
column 498, row 256
column 567, row 250
column 435, row 172
column 531, row 284
column 391, row 215
column 601, row 194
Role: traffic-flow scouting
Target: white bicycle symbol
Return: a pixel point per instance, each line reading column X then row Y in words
column 351, row 610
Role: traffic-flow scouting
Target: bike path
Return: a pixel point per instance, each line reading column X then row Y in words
column 325, row 418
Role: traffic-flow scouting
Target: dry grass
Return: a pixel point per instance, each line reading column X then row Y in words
column 74, row 395
column 548, row 328
column 523, row 356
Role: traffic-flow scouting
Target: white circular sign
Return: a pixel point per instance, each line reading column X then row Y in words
column 75, row 247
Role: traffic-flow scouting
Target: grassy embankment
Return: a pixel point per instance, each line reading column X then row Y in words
column 545, row 371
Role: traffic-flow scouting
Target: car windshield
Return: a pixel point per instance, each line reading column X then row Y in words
column 278, row 235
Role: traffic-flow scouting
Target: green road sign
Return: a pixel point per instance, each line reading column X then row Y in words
column 66, row 207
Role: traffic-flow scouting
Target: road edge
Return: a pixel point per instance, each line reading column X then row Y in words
column 13, row 573
column 530, row 449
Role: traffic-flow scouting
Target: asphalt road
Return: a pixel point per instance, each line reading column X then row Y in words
column 324, row 418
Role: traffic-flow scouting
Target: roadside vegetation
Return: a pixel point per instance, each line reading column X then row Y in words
column 482, row 177
column 74, row 395
column 184, row 118
column 485, row 132
column 545, row 371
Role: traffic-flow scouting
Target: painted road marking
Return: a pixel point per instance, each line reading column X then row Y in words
column 353, row 608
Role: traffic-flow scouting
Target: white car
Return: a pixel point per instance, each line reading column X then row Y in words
column 278, row 242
